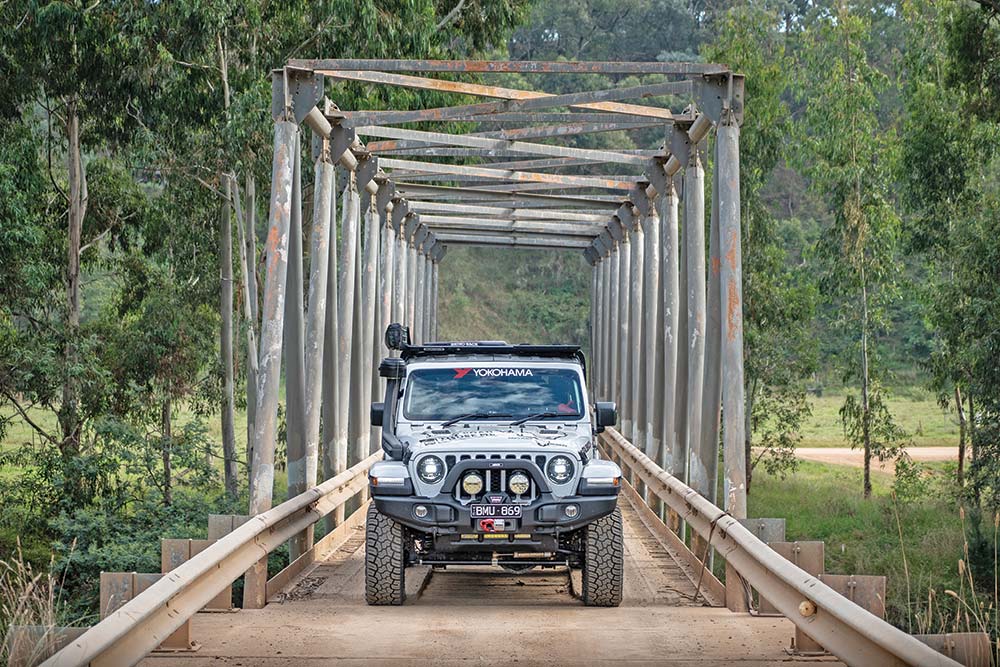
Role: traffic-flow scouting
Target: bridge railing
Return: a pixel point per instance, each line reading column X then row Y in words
column 850, row 632
column 138, row 627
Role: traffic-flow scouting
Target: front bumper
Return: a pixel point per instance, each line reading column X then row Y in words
column 447, row 516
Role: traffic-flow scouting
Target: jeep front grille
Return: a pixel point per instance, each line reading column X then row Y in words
column 495, row 480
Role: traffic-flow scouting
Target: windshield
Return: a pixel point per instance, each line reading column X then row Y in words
column 440, row 394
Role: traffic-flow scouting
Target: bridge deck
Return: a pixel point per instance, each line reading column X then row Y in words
column 487, row 616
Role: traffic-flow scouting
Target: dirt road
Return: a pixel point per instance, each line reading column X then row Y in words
column 855, row 457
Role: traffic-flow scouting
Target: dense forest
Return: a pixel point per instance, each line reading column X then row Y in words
column 871, row 222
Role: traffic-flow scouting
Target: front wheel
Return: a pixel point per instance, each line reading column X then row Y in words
column 604, row 562
column 385, row 560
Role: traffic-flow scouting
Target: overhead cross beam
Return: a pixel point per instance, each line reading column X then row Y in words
column 512, row 99
column 523, row 147
column 559, row 180
column 519, row 66
column 521, row 198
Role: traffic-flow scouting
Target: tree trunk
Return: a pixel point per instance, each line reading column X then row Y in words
column 960, row 407
column 69, row 418
column 865, row 405
column 748, row 433
column 167, row 443
column 226, row 342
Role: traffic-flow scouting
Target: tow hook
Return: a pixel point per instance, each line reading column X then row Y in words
column 491, row 525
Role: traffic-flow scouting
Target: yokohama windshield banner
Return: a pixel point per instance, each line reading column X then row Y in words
column 493, row 372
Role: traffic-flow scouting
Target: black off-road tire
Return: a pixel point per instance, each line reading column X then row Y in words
column 385, row 560
column 604, row 562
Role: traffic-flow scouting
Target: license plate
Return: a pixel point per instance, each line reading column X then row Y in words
column 495, row 511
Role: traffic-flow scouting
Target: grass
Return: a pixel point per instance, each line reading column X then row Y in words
column 823, row 502
column 915, row 410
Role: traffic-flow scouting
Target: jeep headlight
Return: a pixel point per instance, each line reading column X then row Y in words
column 559, row 469
column 472, row 483
column 430, row 469
column 519, row 484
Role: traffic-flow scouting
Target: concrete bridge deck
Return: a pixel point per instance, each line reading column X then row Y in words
column 486, row 616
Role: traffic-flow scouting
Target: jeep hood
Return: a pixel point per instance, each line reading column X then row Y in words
column 492, row 440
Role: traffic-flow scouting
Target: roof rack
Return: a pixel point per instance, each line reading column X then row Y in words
column 494, row 347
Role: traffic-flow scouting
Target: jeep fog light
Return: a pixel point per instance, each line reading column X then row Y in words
column 519, row 484
column 472, row 484
column 420, row 511
column 571, row 511
column 430, row 469
column 559, row 470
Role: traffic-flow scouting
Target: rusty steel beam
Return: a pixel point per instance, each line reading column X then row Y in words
column 506, row 212
column 554, row 243
column 559, row 180
column 510, row 99
column 521, row 199
column 488, row 143
column 520, row 66
column 542, row 132
column 450, row 223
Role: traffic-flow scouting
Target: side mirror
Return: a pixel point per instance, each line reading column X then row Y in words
column 377, row 413
column 605, row 414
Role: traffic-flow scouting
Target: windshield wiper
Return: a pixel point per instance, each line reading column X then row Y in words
column 473, row 415
column 542, row 415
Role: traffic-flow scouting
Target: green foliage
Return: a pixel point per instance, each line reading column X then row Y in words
column 779, row 298
column 862, row 536
column 847, row 156
column 523, row 296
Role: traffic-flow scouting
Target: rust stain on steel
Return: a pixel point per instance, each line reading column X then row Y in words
column 512, row 66
column 734, row 310
column 732, row 247
column 511, row 94
column 716, row 266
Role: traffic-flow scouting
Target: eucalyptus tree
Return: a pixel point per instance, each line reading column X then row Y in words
column 778, row 297
column 847, row 155
column 86, row 67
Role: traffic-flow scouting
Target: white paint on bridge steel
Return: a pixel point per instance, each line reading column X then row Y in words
column 485, row 616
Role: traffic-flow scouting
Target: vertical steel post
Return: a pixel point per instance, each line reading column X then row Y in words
column 731, row 275
column 694, row 254
column 399, row 282
column 358, row 428
column 295, row 365
column 319, row 275
column 367, row 325
column 672, row 456
column 420, row 275
column 331, row 357
column 429, row 299
column 652, row 339
column 387, row 273
column 637, row 384
column 713, row 354
column 623, row 381
column 592, row 323
column 411, row 286
column 731, row 282
column 614, row 311
column 608, row 280
column 272, row 331
column 436, row 297
column 345, row 330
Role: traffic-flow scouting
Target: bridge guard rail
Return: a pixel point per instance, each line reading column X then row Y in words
column 127, row 635
column 853, row 634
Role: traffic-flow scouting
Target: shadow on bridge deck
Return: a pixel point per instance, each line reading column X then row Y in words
column 485, row 616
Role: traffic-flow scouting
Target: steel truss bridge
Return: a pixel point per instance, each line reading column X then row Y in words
column 666, row 345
